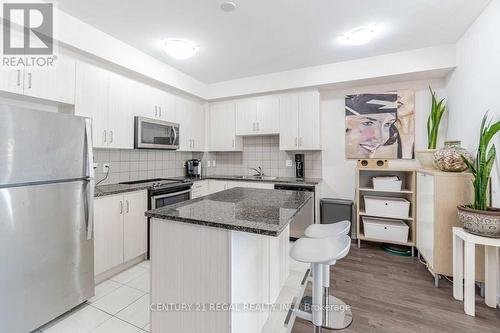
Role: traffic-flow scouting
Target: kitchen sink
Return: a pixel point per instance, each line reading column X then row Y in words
column 255, row 177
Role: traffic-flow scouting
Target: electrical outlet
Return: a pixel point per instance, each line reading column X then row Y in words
column 208, row 164
column 213, row 163
column 289, row 163
column 105, row 167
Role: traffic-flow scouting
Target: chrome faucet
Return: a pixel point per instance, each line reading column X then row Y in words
column 260, row 172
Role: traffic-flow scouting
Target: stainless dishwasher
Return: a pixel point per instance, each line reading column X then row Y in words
column 302, row 221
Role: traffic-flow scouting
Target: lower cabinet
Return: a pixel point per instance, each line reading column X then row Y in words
column 120, row 229
column 221, row 185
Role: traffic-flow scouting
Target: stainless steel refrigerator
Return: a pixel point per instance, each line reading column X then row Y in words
column 46, row 216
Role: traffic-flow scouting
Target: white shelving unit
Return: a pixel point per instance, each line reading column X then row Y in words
column 364, row 186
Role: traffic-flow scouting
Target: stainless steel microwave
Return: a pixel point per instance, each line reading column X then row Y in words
column 155, row 134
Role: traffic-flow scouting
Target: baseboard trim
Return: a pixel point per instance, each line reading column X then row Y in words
column 118, row 269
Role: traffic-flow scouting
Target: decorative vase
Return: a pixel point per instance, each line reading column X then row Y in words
column 449, row 158
column 426, row 158
column 480, row 222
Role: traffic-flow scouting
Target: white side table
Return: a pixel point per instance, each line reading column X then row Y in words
column 467, row 265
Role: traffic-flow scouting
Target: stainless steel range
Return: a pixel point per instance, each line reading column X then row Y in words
column 163, row 192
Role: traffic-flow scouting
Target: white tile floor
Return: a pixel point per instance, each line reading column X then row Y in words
column 121, row 305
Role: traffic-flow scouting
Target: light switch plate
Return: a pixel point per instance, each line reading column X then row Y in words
column 105, row 167
column 208, row 164
column 289, row 163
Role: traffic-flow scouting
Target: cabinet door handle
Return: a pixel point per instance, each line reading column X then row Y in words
column 296, row 142
column 128, row 207
column 18, row 77
column 111, row 136
column 300, row 141
column 121, row 207
column 104, row 136
column 233, row 143
column 156, row 111
column 29, row 80
column 159, row 111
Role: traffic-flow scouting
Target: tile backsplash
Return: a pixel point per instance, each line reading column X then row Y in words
column 128, row 165
column 261, row 151
column 257, row 151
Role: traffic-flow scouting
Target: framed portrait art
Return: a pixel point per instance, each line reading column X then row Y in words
column 380, row 125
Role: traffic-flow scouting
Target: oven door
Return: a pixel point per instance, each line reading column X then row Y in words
column 162, row 200
column 155, row 134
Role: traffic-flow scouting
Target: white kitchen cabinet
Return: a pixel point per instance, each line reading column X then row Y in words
column 191, row 118
column 300, row 121
column 257, row 116
column 92, row 84
column 108, row 233
column 120, row 229
column 134, row 225
column 120, row 112
column 55, row 84
column 221, row 185
column 11, row 79
column 151, row 102
column 200, row 189
column 223, row 128
column 108, row 99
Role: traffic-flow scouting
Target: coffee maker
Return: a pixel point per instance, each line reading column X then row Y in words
column 193, row 168
column 299, row 166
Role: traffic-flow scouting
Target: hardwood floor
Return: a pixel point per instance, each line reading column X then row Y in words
column 391, row 294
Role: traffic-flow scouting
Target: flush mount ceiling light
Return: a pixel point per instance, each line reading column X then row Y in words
column 179, row 48
column 359, row 36
column 228, row 6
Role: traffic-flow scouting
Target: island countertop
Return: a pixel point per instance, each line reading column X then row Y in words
column 260, row 211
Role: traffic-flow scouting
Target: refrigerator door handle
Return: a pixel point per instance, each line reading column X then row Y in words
column 90, row 209
column 90, row 182
column 90, row 154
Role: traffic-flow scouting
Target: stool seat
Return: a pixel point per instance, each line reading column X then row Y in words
column 320, row 250
column 328, row 230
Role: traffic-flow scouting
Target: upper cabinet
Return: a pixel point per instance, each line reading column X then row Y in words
column 222, row 124
column 191, row 118
column 55, row 83
column 257, row 116
column 108, row 99
column 155, row 103
column 300, row 121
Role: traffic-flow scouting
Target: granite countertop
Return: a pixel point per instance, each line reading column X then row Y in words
column 111, row 189
column 104, row 190
column 285, row 180
column 260, row 211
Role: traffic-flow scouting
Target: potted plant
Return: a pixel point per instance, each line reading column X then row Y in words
column 478, row 218
column 426, row 156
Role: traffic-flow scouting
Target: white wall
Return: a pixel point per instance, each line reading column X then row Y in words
column 473, row 88
column 339, row 173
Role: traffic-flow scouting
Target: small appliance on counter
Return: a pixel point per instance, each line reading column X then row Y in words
column 299, row 166
column 193, row 168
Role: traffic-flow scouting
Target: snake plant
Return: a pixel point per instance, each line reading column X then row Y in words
column 434, row 120
column 482, row 166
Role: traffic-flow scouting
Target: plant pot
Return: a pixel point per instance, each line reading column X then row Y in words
column 449, row 158
column 480, row 222
column 426, row 158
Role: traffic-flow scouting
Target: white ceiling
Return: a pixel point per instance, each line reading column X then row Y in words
column 262, row 37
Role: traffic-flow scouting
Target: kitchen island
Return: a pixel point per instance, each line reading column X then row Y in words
column 217, row 260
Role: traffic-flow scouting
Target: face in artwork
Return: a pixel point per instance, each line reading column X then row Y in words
column 367, row 133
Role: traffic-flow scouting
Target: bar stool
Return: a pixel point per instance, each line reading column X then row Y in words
column 323, row 231
column 318, row 252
